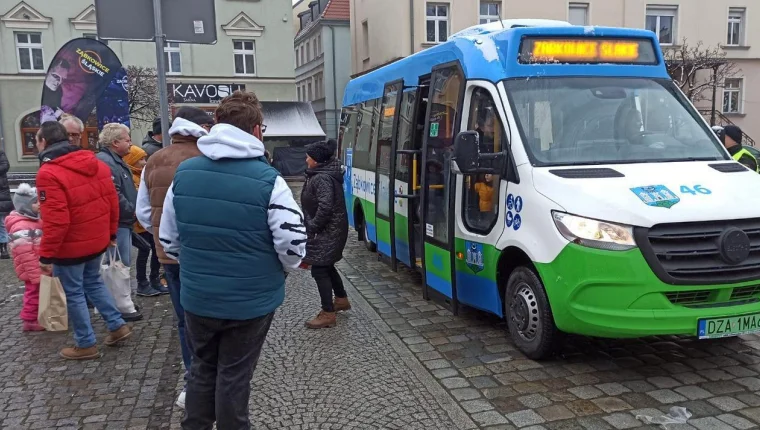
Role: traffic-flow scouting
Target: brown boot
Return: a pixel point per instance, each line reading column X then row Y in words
column 118, row 336
column 341, row 304
column 76, row 353
column 323, row 320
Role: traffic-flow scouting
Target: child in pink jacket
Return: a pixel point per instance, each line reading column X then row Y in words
column 25, row 230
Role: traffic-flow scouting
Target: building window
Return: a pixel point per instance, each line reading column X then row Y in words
column 309, row 93
column 308, row 50
column 245, row 57
column 365, row 40
column 319, row 44
column 298, row 63
column 489, row 12
column 173, row 58
column 662, row 21
column 578, row 14
column 437, row 22
column 316, row 50
column 303, row 60
column 29, row 50
column 735, row 27
column 732, row 96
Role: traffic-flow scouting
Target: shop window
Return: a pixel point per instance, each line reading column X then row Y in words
column 30, row 124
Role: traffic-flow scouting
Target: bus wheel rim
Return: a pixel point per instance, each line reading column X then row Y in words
column 525, row 313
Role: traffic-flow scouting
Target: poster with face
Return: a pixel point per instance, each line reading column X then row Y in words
column 76, row 78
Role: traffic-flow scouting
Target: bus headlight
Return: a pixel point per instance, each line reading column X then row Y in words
column 594, row 233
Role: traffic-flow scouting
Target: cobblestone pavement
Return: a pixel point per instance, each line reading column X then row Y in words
column 129, row 387
column 590, row 384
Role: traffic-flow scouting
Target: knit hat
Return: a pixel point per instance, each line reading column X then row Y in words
column 23, row 200
column 733, row 132
column 319, row 152
column 135, row 154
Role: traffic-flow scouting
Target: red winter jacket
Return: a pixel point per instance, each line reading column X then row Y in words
column 78, row 205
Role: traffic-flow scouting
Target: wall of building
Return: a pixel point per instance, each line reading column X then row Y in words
column 703, row 21
column 334, row 89
column 274, row 79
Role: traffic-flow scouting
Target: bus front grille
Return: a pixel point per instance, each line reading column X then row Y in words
column 742, row 293
column 690, row 253
column 688, row 297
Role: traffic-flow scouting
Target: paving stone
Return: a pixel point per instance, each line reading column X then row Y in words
column 555, row 413
column 534, row 401
column 622, row 421
column 611, row 404
column 473, row 406
column 525, row 418
column 613, row 388
column 709, row 423
column 465, row 393
column 736, row 421
column 693, row 392
column 489, row 418
column 455, row 383
column 727, row 404
column 586, row 392
column 666, row 396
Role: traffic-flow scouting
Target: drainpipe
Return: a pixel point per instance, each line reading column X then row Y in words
column 411, row 27
column 335, row 85
column 2, row 136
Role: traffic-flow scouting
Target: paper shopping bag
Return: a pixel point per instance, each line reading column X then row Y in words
column 52, row 314
column 117, row 279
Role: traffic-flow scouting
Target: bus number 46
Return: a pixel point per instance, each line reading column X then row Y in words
column 698, row 189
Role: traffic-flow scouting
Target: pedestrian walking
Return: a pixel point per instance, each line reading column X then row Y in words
column 324, row 207
column 136, row 160
column 115, row 143
column 231, row 221
column 6, row 204
column 79, row 209
column 25, row 231
column 189, row 124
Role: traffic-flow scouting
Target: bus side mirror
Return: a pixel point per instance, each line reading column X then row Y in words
column 468, row 160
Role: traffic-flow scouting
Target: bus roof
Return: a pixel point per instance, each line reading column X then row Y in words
column 491, row 53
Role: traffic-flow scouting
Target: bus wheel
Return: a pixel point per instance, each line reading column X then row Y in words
column 529, row 316
column 368, row 243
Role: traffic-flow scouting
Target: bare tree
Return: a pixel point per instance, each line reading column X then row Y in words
column 697, row 69
column 143, row 94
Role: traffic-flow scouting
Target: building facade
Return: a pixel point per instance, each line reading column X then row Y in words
column 323, row 61
column 253, row 51
column 385, row 30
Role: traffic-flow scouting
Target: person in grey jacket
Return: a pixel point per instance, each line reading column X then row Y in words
column 152, row 142
column 114, row 144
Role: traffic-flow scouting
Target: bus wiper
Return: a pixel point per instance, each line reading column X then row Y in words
column 675, row 160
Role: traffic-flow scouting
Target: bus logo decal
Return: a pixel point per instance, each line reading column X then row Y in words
column 658, row 196
column 474, row 253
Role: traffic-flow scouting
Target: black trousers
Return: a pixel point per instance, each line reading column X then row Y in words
column 328, row 281
column 225, row 353
column 142, row 260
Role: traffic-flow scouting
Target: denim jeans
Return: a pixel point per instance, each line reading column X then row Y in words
column 77, row 281
column 225, row 353
column 172, row 281
column 3, row 233
column 328, row 281
column 124, row 244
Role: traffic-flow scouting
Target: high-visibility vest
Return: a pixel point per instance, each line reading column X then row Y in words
column 744, row 152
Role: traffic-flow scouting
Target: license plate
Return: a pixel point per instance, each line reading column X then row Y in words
column 729, row 326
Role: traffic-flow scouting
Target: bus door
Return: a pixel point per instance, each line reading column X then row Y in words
column 480, row 200
column 441, row 125
column 385, row 219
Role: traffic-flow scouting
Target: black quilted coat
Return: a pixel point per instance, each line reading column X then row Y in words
column 324, row 208
column 6, row 204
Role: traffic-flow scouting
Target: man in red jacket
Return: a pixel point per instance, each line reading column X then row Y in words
column 80, row 214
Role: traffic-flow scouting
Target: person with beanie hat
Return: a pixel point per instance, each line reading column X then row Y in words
column 732, row 140
column 153, row 141
column 136, row 160
column 25, row 231
column 326, row 220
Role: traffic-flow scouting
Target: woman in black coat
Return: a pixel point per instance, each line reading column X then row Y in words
column 326, row 219
column 6, row 204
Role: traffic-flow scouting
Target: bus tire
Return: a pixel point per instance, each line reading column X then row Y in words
column 528, row 314
column 371, row 247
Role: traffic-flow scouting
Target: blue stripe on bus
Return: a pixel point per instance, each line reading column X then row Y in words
column 439, row 284
column 402, row 252
column 480, row 293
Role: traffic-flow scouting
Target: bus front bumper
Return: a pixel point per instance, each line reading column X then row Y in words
column 615, row 294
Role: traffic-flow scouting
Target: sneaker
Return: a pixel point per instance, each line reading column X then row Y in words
column 323, row 320
column 181, row 400
column 144, row 289
column 77, row 353
column 118, row 336
column 134, row 316
column 33, row 326
column 159, row 286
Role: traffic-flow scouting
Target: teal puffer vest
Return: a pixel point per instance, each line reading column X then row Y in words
column 228, row 266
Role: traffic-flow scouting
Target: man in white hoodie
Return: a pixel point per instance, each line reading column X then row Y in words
column 189, row 124
column 232, row 222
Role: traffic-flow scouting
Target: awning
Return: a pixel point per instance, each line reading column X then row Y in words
column 291, row 120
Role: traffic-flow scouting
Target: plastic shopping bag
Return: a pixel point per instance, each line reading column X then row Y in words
column 116, row 277
column 52, row 313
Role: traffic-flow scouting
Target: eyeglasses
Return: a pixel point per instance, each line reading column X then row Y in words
column 263, row 128
column 75, row 135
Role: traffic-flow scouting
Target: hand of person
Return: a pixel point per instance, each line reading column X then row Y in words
column 46, row 269
column 113, row 243
column 304, row 266
column 59, row 112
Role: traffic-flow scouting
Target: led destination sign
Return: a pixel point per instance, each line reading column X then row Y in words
column 587, row 50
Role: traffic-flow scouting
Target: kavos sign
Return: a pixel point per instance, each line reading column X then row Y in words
column 201, row 93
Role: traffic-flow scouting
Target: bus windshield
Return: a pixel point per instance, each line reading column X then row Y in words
column 594, row 120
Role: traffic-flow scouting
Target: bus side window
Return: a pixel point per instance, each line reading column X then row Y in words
column 347, row 130
column 364, row 135
column 481, row 192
